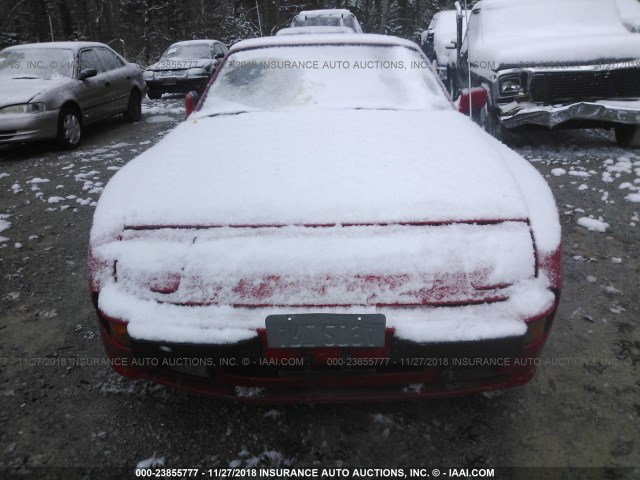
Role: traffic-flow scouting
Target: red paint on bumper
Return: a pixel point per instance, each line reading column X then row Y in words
column 335, row 385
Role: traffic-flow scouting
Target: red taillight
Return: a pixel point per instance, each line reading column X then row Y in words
column 119, row 333
column 165, row 284
column 535, row 330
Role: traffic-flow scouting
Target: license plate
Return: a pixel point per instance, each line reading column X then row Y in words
column 311, row 330
column 171, row 74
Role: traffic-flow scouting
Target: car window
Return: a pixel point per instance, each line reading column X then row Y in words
column 350, row 21
column 192, row 50
column 88, row 60
column 325, row 76
column 218, row 49
column 36, row 63
column 472, row 29
column 109, row 59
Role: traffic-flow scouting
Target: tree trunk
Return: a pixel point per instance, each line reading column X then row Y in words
column 385, row 15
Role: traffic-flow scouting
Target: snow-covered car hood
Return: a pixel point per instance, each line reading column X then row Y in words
column 18, row 91
column 324, row 167
column 557, row 51
column 181, row 63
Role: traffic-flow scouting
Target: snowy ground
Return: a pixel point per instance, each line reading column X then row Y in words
column 582, row 408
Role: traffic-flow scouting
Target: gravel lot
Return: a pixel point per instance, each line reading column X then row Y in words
column 581, row 409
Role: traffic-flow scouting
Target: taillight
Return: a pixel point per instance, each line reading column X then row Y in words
column 119, row 333
column 165, row 284
column 535, row 330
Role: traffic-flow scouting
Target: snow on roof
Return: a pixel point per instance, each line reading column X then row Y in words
column 324, row 39
column 447, row 15
column 554, row 31
column 327, row 11
column 196, row 42
column 69, row 45
column 310, row 30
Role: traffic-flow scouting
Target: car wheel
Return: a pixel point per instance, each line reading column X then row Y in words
column 452, row 89
column 153, row 95
column 69, row 128
column 488, row 121
column 134, row 108
column 628, row 136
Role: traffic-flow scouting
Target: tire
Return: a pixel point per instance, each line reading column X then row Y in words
column 628, row 136
column 452, row 86
column 154, row 95
column 134, row 107
column 69, row 128
column 453, row 90
column 489, row 122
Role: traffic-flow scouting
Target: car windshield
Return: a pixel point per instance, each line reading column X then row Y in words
column 198, row 50
column 324, row 76
column 549, row 18
column 18, row 63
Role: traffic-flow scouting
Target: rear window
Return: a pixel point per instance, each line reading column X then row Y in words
column 325, row 76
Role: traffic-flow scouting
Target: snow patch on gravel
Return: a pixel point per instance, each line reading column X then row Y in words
column 593, row 224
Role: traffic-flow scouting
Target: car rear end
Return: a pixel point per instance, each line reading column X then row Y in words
column 330, row 312
column 389, row 264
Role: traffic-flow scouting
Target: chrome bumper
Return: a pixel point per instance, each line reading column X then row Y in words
column 515, row 114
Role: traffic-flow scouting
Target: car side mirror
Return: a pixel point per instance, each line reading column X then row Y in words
column 88, row 73
column 451, row 45
column 219, row 56
column 190, row 103
column 477, row 99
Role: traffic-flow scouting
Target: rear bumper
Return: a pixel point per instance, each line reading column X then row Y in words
column 250, row 371
column 28, row 127
column 515, row 115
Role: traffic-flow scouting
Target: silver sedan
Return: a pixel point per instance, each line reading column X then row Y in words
column 53, row 90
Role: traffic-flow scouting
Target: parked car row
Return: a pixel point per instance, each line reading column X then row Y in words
column 553, row 64
column 53, row 90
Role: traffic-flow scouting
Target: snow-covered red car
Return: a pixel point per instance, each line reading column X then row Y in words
column 330, row 233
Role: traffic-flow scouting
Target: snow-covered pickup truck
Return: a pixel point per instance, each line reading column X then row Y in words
column 555, row 64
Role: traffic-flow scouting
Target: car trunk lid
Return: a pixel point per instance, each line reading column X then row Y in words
column 331, row 265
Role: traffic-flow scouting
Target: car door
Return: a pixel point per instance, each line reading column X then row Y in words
column 120, row 77
column 95, row 93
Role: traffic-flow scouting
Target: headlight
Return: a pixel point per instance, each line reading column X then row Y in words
column 196, row 72
column 23, row 108
column 512, row 85
column 147, row 75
